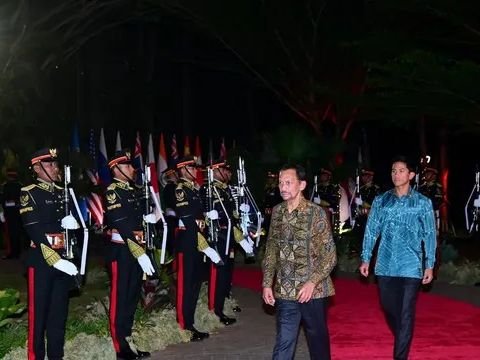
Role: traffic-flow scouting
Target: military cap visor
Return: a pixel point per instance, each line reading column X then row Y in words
column 44, row 155
column 368, row 172
column 187, row 161
column 218, row 164
column 430, row 169
column 325, row 171
column 120, row 157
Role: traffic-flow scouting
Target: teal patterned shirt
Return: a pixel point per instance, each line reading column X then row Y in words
column 402, row 223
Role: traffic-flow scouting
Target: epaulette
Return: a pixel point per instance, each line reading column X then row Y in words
column 28, row 187
column 187, row 184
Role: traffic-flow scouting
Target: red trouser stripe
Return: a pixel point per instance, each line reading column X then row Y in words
column 180, row 294
column 113, row 305
column 212, row 287
column 31, row 313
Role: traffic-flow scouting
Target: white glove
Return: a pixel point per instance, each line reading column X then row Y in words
column 245, row 208
column 212, row 254
column 66, row 266
column 246, row 246
column 212, row 214
column 2, row 217
column 476, row 203
column 249, row 241
column 146, row 264
column 358, row 201
column 317, row 200
column 150, row 218
column 70, row 223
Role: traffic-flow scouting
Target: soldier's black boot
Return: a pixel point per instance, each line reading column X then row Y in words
column 142, row 354
column 197, row 335
column 126, row 354
column 224, row 319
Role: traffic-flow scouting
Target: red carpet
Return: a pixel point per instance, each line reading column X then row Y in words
column 445, row 329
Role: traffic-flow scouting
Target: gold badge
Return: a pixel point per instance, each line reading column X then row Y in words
column 53, row 153
column 24, row 200
column 180, row 195
column 111, row 198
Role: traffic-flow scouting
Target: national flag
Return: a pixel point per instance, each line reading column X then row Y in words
column 198, row 153
column 223, row 150
column 186, row 146
column 153, row 167
column 198, row 150
column 138, row 159
column 173, row 149
column 105, row 178
column 94, row 201
column 162, row 158
column 118, row 142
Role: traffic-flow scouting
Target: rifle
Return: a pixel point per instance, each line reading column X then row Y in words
column 473, row 208
column 150, row 233
column 213, row 224
column 70, row 242
column 356, row 195
column 246, row 199
column 314, row 194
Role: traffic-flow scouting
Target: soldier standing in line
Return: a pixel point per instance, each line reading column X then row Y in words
column 12, row 221
column 329, row 195
column 127, row 259
column 432, row 189
column 364, row 200
column 50, row 274
column 190, row 246
column 223, row 209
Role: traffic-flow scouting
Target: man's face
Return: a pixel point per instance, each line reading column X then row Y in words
column 324, row 177
column 366, row 178
column 124, row 172
column 189, row 172
column 47, row 171
column 400, row 174
column 289, row 184
column 221, row 175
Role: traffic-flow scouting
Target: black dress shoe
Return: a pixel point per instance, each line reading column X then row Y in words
column 225, row 320
column 237, row 309
column 126, row 355
column 142, row 354
column 197, row 335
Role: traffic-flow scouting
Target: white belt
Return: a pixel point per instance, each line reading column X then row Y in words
column 10, row 204
column 180, row 223
column 116, row 237
column 170, row 212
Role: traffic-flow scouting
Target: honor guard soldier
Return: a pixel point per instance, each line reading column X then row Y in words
column 329, row 195
column 271, row 198
column 169, row 183
column 190, row 246
column 433, row 190
column 127, row 258
column 364, row 200
column 12, row 221
column 223, row 210
column 50, row 274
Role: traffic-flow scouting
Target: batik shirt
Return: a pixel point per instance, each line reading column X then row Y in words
column 403, row 224
column 299, row 248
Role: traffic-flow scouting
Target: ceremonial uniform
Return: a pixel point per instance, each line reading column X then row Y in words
column 124, row 220
column 221, row 276
column 190, row 242
column 434, row 191
column 329, row 195
column 49, row 281
column 367, row 194
column 13, row 223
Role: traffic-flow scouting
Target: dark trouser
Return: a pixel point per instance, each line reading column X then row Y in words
column 313, row 316
column 12, row 230
column 47, row 311
column 398, row 296
column 219, row 284
column 126, row 282
column 190, row 271
column 172, row 223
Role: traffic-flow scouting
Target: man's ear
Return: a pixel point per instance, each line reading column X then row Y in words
column 303, row 185
column 411, row 175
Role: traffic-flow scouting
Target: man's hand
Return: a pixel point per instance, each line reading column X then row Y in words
column 427, row 276
column 150, row 218
column 268, row 296
column 66, row 266
column 306, row 292
column 364, row 268
column 69, row 223
column 146, row 264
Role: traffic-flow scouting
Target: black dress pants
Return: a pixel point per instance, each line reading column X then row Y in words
column 398, row 296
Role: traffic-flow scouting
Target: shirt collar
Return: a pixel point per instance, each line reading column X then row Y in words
column 302, row 205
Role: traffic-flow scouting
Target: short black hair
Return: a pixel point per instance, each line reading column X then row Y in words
column 405, row 160
column 299, row 170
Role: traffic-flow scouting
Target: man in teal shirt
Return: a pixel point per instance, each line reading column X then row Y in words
column 403, row 219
